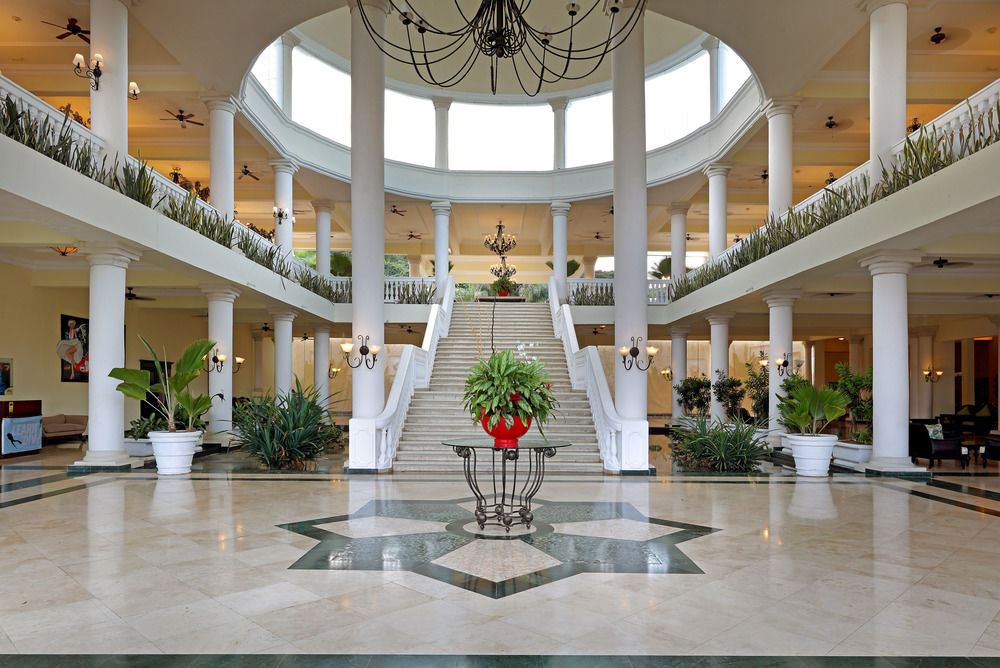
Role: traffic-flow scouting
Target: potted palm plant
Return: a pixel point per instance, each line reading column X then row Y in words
column 173, row 448
column 506, row 394
column 807, row 411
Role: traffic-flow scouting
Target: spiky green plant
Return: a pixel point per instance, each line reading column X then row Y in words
column 706, row 445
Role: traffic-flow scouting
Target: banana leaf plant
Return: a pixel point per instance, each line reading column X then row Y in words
column 170, row 392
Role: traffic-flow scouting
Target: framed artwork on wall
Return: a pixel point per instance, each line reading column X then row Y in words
column 73, row 349
column 6, row 374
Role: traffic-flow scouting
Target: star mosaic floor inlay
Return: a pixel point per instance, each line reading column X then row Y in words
column 439, row 539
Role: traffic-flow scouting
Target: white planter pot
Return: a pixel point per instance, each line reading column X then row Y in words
column 785, row 443
column 852, row 453
column 139, row 447
column 173, row 451
column 812, row 453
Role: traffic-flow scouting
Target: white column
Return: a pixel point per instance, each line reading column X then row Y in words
column 589, row 262
column 414, row 264
column 441, row 107
column 258, row 360
column 106, row 406
column 807, row 368
column 631, row 301
column 321, row 364
column 442, row 227
column 282, row 351
column 221, row 154
column 856, row 352
column 719, row 356
column 284, row 198
column 712, row 47
column 890, row 393
column 678, row 239
column 558, row 105
column 779, row 305
column 914, row 374
column 220, row 330
column 925, row 360
column 323, row 209
column 679, row 366
column 288, row 42
column 717, row 177
column 109, row 104
column 780, row 164
column 367, row 228
column 560, row 214
column 886, row 80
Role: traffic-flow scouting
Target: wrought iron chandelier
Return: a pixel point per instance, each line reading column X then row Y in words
column 500, row 243
column 498, row 30
column 503, row 270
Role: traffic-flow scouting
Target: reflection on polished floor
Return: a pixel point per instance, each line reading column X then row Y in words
column 222, row 562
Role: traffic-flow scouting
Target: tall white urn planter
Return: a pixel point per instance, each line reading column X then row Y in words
column 174, row 450
column 812, row 453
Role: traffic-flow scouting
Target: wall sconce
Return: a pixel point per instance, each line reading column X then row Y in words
column 239, row 364
column 333, row 372
column 93, row 72
column 667, row 374
column 630, row 356
column 133, row 90
column 762, row 362
column 280, row 215
column 781, row 364
column 932, row 375
column 218, row 361
column 368, row 354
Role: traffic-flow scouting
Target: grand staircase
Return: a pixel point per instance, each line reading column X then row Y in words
column 436, row 413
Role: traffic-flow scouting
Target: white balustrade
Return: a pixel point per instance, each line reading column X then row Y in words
column 414, row 371
column 80, row 133
column 601, row 291
column 400, row 287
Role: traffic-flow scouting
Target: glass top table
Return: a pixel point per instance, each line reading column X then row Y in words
column 510, row 502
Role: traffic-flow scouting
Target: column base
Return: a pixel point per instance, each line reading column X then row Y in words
column 893, row 467
column 102, row 460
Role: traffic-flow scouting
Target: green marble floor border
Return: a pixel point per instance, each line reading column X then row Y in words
column 477, row 661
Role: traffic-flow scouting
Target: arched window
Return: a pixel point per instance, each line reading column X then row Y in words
column 265, row 69
column 494, row 137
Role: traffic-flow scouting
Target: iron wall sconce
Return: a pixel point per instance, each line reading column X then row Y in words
column 630, row 355
column 280, row 215
column 217, row 362
column 932, row 375
column 332, row 372
column 368, row 354
column 781, row 364
column 93, row 72
column 667, row 374
column 133, row 90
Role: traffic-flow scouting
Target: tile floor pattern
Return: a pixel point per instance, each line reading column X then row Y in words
column 128, row 563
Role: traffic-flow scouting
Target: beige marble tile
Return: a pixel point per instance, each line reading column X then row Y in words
column 239, row 638
column 497, row 560
column 369, row 636
column 185, row 618
column 616, row 528
column 366, row 527
column 381, row 600
column 265, row 599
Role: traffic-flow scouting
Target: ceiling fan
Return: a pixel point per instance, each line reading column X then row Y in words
column 411, row 236
column 396, row 210
column 265, row 327
column 131, row 296
column 246, row 171
column 942, row 262
column 181, row 118
column 763, row 175
column 690, row 237
column 72, row 27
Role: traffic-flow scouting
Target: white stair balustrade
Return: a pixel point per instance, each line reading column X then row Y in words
column 38, row 108
column 601, row 291
column 399, row 288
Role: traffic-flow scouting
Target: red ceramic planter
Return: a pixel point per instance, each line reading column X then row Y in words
column 502, row 294
column 504, row 437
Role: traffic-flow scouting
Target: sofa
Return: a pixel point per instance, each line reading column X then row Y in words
column 63, row 426
column 923, row 446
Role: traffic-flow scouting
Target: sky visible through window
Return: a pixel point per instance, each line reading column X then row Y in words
column 493, row 137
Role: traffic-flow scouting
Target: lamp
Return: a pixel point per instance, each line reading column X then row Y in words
column 333, row 371
column 781, row 363
column 280, row 215
column 93, row 72
column 500, row 243
column 499, row 31
column 503, row 270
column 914, row 126
column 239, row 364
column 932, row 375
column 368, row 354
column 133, row 90
column 214, row 363
column 630, row 355
column 667, row 374
column 762, row 362
column 64, row 250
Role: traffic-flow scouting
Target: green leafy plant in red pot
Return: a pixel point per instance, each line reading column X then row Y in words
column 507, row 394
column 504, row 286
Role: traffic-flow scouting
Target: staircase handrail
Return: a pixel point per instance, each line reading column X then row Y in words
column 414, row 371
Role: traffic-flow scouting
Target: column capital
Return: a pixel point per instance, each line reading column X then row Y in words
column 283, row 316
column 322, row 205
column 257, row 333
column 321, row 330
column 777, row 106
column 679, row 332
column 711, row 42
column 869, row 6
column 282, row 165
column 720, row 318
column 558, row 103
column 220, row 293
column 679, row 207
column 110, row 255
column 891, row 262
column 219, row 102
column 924, row 330
column 717, row 169
column 441, row 102
column 441, row 208
column 779, row 298
column 291, row 40
column 560, row 208
column 856, row 338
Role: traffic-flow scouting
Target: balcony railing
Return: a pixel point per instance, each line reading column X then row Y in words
column 601, row 291
column 38, row 108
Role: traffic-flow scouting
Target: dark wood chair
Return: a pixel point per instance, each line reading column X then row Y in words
column 922, row 446
column 991, row 450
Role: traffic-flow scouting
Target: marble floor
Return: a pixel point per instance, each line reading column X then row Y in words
column 222, row 561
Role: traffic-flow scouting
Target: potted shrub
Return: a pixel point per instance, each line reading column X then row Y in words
column 195, row 421
column 703, row 445
column 694, row 395
column 756, row 385
column 503, row 286
column 857, row 387
column 506, row 394
column 137, row 442
column 174, row 447
column 807, row 412
column 729, row 392
column 787, row 387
